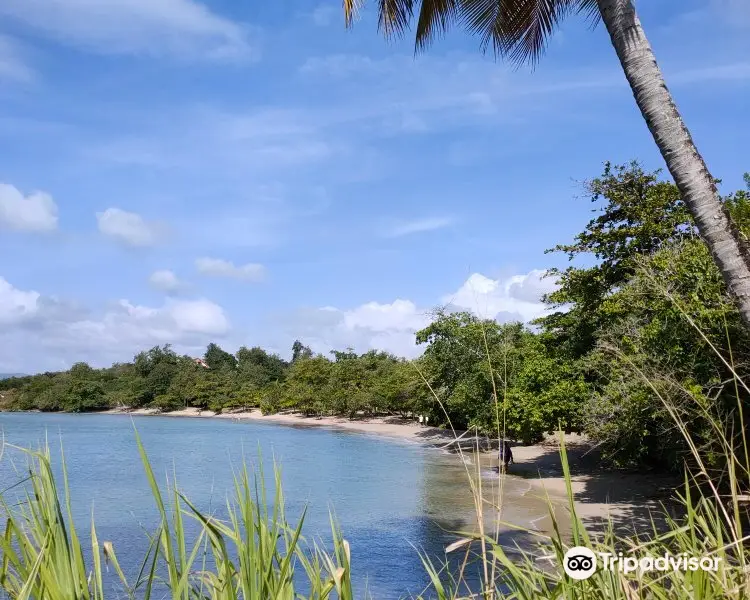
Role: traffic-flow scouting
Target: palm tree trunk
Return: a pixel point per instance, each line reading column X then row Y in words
column 678, row 149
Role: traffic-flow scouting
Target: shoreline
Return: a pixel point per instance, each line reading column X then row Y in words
column 391, row 427
column 629, row 499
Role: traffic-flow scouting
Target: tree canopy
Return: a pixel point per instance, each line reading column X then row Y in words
column 640, row 320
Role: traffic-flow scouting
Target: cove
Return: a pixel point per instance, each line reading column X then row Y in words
column 389, row 498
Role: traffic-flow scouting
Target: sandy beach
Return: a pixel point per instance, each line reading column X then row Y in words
column 628, row 499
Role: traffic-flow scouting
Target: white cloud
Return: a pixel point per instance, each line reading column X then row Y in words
column 165, row 280
column 182, row 28
column 417, row 226
column 16, row 305
column 391, row 326
column 128, row 228
column 167, row 324
column 40, row 332
column 198, row 316
column 519, row 296
column 36, row 212
column 382, row 326
column 398, row 315
column 217, row 267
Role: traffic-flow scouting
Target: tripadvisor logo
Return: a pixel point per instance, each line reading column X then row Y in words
column 581, row 562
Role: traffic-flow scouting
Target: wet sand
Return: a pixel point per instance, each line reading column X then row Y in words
column 628, row 499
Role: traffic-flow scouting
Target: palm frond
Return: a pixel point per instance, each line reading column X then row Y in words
column 486, row 18
column 590, row 8
column 351, row 10
column 518, row 30
column 435, row 17
column 394, row 16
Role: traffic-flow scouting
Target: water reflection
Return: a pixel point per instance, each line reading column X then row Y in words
column 391, row 499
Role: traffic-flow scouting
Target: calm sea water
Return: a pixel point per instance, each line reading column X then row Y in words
column 389, row 497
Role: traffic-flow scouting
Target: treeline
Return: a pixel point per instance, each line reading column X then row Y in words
column 374, row 383
column 643, row 329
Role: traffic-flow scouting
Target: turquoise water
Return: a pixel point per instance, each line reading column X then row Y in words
column 389, row 497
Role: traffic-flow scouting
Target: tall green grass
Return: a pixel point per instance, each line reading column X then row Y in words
column 255, row 553
column 710, row 526
column 713, row 521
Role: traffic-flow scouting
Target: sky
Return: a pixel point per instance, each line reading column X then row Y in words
column 250, row 173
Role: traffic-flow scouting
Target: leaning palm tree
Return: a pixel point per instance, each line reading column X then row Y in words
column 519, row 30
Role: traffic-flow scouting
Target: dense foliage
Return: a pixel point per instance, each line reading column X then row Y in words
column 639, row 324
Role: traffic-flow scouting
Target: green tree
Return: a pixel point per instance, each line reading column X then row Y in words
column 44, row 392
column 547, row 393
column 648, row 330
column 300, row 351
column 258, row 368
column 83, row 392
column 519, row 30
column 159, row 379
column 649, row 270
column 456, row 364
column 499, row 378
column 270, row 398
column 358, row 382
column 145, row 362
column 308, row 385
column 216, row 358
column 404, row 390
column 637, row 214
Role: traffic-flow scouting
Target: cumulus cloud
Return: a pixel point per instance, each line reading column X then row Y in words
column 198, row 316
column 165, row 281
column 391, row 326
column 519, row 295
column 382, row 326
column 35, row 327
column 128, row 228
column 36, row 212
column 216, row 267
column 423, row 225
column 40, row 332
column 170, row 323
column 180, row 28
column 398, row 315
column 16, row 305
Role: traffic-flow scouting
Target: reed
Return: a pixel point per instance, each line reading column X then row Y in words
column 713, row 521
column 706, row 529
column 254, row 553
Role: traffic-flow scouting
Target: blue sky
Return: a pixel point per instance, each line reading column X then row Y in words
column 248, row 173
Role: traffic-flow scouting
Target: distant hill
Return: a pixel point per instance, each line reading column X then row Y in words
column 9, row 375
